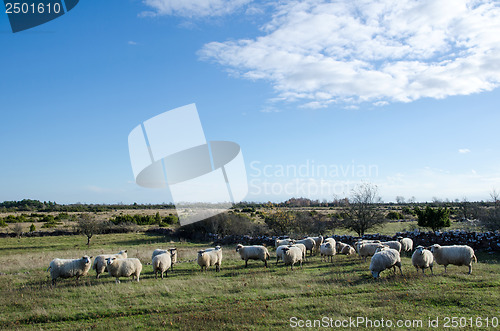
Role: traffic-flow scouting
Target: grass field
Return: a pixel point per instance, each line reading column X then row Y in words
column 235, row 298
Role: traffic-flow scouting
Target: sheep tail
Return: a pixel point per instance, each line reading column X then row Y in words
column 48, row 268
column 475, row 258
column 268, row 256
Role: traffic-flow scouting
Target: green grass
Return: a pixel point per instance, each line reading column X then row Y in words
column 235, row 298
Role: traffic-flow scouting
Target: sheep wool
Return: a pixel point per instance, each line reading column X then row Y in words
column 385, row 259
column 327, row 251
column 406, row 244
column 67, row 268
column 393, row 244
column 124, row 268
column 368, row 249
column 283, row 242
column 348, row 250
column 292, row 255
column 100, row 261
column 256, row 252
column 210, row 257
column 422, row 258
column 457, row 255
column 309, row 242
column 161, row 263
column 171, row 251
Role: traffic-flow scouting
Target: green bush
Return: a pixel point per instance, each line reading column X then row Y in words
column 433, row 218
column 32, row 228
column 394, row 215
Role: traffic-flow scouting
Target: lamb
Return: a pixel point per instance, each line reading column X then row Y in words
column 347, row 250
column 422, row 258
column 406, row 244
column 67, row 268
column 393, row 244
column 309, row 242
column 124, row 268
column 327, row 251
column 210, row 257
column 457, row 255
column 385, row 259
column 171, row 251
column 100, row 261
column 255, row 252
column 368, row 249
column 161, row 263
column 284, row 242
column 292, row 255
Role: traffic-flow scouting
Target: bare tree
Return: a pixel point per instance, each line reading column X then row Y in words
column 88, row 225
column 400, row 199
column 490, row 217
column 362, row 212
column 18, row 230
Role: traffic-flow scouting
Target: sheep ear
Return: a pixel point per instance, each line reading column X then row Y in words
column 91, row 257
column 125, row 251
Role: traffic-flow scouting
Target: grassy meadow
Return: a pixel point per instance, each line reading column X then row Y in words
column 235, row 298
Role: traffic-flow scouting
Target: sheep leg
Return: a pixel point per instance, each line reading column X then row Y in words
column 117, row 281
column 137, row 277
column 470, row 269
column 431, row 270
column 217, row 268
column 265, row 263
column 445, row 269
column 246, row 263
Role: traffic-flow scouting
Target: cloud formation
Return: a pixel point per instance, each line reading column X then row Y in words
column 464, row 150
column 193, row 8
column 319, row 52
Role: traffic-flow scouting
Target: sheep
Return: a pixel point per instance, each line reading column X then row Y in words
column 331, row 241
column 124, row 268
column 318, row 241
column 406, row 244
column 309, row 242
column 161, row 263
column 364, row 241
column 385, row 259
column 347, row 250
column 302, row 248
column 327, row 251
column 173, row 255
column 422, row 258
column 368, row 249
column 283, row 242
column 67, row 268
column 279, row 253
column 210, row 257
column 100, row 261
column 292, row 255
column 393, row 244
column 255, row 252
column 457, row 255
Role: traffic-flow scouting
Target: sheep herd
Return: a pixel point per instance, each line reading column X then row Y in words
column 384, row 255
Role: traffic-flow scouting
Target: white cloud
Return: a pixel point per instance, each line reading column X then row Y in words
column 131, row 42
column 193, row 8
column 464, row 150
column 374, row 51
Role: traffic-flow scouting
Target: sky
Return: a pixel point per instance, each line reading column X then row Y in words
column 321, row 96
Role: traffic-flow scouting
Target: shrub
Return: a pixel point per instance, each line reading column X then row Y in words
column 434, row 219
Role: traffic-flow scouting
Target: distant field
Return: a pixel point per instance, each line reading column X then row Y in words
column 235, row 298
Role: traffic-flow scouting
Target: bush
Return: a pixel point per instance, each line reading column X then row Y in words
column 434, row 219
column 32, row 228
column 394, row 215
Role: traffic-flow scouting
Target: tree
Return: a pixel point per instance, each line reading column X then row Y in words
column 32, row 228
column 88, row 226
column 18, row 230
column 433, row 218
column 490, row 217
column 281, row 222
column 400, row 199
column 362, row 212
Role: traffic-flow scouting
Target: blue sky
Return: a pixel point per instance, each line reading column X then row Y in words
column 403, row 92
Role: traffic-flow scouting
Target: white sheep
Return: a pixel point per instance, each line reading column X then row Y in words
column 406, row 244
column 100, row 261
column 209, row 257
column 309, row 242
column 347, row 250
column 292, row 255
column 331, row 241
column 393, row 244
column 364, row 241
column 385, row 259
column 422, row 258
column 161, row 263
column 457, row 255
column 283, row 242
column 302, row 248
column 124, row 268
column 317, row 242
column 171, row 251
column 279, row 253
column 327, row 251
column 255, row 252
column 67, row 268
column 367, row 249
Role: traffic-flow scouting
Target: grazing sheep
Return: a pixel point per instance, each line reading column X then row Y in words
column 327, row 251
column 279, row 253
column 385, row 259
column 302, row 248
column 331, row 241
column 317, row 242
column 124, row 268
column 255, row 252
column 457, row 255
column 283, row 242
column 347, row 250
column 100, row 261
column 309, row 242
column 422, row 258
column 393, row 244
column 67, row 268
column 161, row 263
column 406, row 244
column 292, row 255
column 209, row 257
column 368, row 249
column 364, row 241
column 171, row 251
